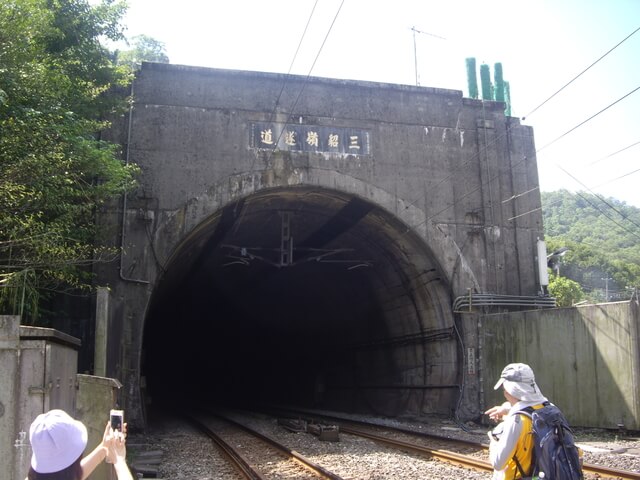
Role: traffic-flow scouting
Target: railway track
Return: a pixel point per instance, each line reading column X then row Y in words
column 254, row 454
column 446, row 449
column 359, row 450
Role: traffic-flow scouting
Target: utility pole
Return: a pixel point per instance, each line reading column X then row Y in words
column 606, row 287
column 415, row 50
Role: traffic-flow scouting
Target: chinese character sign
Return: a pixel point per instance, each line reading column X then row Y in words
column 310, row 138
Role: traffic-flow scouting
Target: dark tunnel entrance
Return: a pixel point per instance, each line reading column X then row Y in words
column 308, row 297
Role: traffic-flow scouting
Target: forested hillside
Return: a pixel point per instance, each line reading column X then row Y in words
column 602, row 241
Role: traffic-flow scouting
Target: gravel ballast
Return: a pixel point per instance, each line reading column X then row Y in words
column 185, row 453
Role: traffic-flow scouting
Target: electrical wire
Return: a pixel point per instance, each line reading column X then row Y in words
column 617, row 178
column 295, row 55
column 566, row 85
column 581, row 73
column 588, row 119
column 476, row 157
column 284, row 83
column 625, row 217
column 306, row 80
column 614, row 153
column 606, row 215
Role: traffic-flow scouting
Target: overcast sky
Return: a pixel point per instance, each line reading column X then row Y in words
column 542, row 45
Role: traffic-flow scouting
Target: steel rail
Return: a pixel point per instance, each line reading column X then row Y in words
column 603, row 471
column 443, row 455
column 610, row 472
column 466, row 461
column 305, row 462
column 229, row 452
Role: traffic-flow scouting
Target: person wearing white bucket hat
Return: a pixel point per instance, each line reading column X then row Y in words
column 511, row 446
column 58, row 442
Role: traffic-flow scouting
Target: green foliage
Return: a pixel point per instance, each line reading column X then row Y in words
column 54, row 170
column 566, row 292
column 145, row 49
column 603, row 238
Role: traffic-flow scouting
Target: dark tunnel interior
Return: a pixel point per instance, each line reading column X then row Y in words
column 288, row 298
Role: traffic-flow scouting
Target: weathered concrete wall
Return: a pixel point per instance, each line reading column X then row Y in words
column 95, row 398
column 586, row 359
column 443, row 165
column 13, row 446
column 38, row 373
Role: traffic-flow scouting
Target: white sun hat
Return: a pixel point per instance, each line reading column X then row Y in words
column 57, row 440
column 518, row 380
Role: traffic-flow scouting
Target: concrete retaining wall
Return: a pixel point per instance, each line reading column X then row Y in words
column 586, row 359
column 39, row 373
column 39, row 367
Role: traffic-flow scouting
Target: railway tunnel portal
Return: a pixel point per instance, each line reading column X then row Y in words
column 307, row 296
column 305, row 239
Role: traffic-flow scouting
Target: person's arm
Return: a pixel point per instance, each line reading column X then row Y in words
column 503, row 449
column 118, row 448
column 97, row 455
column 499, row 411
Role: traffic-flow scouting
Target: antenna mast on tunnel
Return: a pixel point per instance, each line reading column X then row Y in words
column 415, row 50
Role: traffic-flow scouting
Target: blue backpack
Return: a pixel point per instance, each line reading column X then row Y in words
column 555, row 455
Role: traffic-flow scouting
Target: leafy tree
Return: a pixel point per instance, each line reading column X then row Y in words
column 54, row 170
column 602, row 236
column 145, row 49
column 566, row 292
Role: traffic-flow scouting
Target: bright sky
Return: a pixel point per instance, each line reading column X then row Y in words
column 542, row 45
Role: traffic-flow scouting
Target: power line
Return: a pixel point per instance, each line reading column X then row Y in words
column 588, row 119
column 617, row 178
column 606, row 215
column 476, row 157
column 513, row 166
column 614, row 153
column 284, row 83
column 600, row 198
column 580, row 74
column 566, row 85
column 295, row 55
column 306, row 80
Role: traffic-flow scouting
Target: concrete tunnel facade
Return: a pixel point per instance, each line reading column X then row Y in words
column 303, row 240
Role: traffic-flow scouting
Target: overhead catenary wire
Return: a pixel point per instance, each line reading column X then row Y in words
column 614, row 153
column 588, row 119
column 306, row 80
column 475, row 157
column 590, row 189
column 561, row 89
column 617, row 178
column 606, row 215
column 293, row 60
column 284, row 82
column 582, row 72
column 600, row 198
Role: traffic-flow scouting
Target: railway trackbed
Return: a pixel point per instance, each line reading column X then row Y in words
column 442, row 448
column 263, row 446
column 256, row 455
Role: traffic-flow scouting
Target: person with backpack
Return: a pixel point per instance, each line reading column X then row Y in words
column 533, row 439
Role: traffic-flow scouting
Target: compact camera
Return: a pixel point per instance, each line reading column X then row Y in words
column 117, row 419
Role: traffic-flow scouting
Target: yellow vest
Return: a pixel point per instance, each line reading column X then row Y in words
column 523, row 450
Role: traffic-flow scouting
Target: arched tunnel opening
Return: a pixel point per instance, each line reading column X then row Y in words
column 306, row 297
